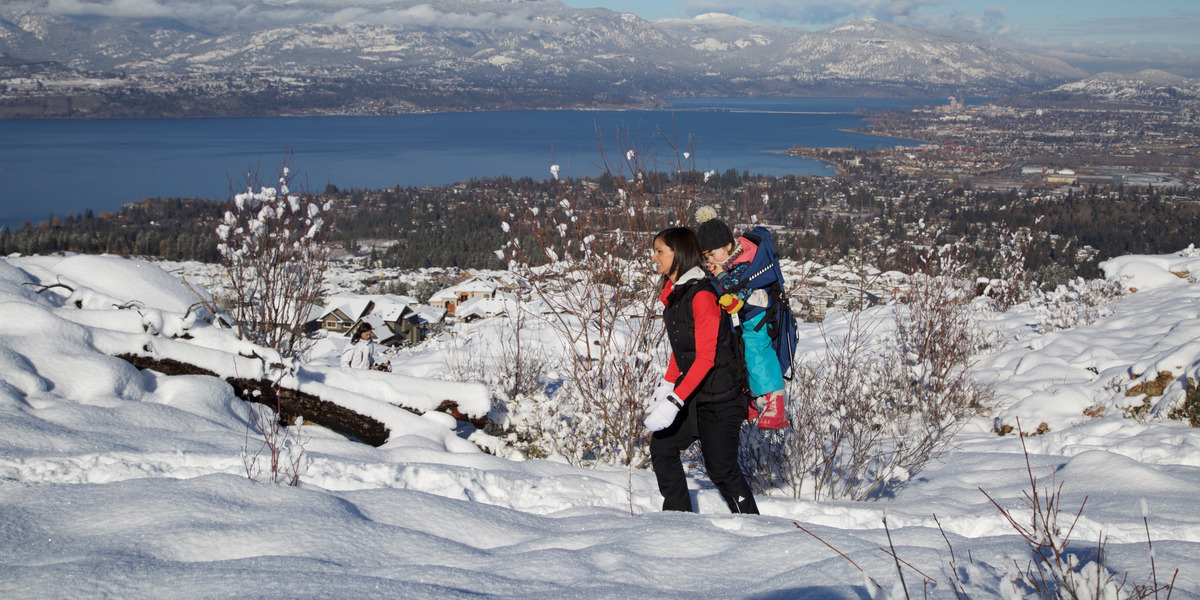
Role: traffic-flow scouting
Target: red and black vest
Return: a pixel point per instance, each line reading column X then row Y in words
column 727, row 378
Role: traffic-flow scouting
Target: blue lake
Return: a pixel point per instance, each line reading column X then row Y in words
column 62, row 167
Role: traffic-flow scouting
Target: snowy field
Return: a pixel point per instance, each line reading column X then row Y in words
column 126, row 484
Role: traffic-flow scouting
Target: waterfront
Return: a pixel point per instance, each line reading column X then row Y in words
column 64, row 167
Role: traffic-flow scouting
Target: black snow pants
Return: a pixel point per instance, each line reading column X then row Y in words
column 717, row 426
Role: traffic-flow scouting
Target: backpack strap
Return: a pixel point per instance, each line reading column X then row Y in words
column 740, row 285
column 771, row 319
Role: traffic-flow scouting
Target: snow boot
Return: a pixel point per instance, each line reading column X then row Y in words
column 773, row 415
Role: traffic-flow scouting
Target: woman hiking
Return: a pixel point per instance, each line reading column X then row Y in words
column 703, row 394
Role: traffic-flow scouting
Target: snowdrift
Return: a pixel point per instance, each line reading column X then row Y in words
column 127, row 483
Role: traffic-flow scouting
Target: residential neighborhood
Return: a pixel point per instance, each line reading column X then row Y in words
column 394, row 320
column 399, row 320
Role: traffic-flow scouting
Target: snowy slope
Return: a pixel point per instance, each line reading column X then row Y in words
column 125, row 484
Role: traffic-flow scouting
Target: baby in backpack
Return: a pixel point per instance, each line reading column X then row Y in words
column 728, row 259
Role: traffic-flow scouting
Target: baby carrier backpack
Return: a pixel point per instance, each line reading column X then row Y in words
column 764, row 273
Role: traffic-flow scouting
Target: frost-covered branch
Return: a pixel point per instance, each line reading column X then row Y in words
column 584, row 255
column 273, row 245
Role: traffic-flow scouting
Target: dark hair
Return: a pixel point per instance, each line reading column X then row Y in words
column 364, row 327
column 681, row 241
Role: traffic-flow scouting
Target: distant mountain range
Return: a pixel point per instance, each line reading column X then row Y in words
column 378, row 56
column 1149, row 87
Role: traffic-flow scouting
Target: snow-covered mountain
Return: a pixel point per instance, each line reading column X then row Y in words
column 863, row 51
column 510, row 45
column 1150, row 86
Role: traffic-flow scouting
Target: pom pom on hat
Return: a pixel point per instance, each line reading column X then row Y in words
column 711, row 232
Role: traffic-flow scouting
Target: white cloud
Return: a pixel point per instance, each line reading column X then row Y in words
column 824, row 13
column 425, row 15
column 1170, row 28
column 112, row 8
column 235, row 12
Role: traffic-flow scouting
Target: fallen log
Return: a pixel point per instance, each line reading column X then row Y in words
column 290, row 403
column 451, row 408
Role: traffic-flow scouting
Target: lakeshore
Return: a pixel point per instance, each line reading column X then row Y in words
column 68, row 167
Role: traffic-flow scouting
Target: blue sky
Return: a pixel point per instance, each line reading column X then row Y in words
column 1094, row 27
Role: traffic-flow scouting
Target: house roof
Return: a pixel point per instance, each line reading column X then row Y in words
column 429, row 314
column 446, row 294
column 384, row 308
column 392, row 298
column 390, row 312
column 351, row 307
column 486, row 307
column 474, row 285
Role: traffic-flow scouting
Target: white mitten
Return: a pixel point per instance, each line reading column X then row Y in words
column 662, row 412
column 661, row 390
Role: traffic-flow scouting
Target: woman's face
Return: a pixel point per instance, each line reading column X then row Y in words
column 662, row 257
column 366, row 335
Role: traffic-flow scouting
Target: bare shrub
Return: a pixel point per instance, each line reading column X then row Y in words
column 523, row 364
column 516, row 371
column 1075, row 304
column 877, row 405
column 273, row 246
column 584, row 255
column 266, row 434
column 1009, row 284
column 937, row 336
column 272, row 243
column 283, row 446
column 1055, row 572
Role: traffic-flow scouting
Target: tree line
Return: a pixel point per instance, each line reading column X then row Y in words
column 866, row 216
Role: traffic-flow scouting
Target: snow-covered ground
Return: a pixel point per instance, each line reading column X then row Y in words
column 119, row 483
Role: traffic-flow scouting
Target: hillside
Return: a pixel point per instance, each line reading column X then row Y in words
column 127, row 483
